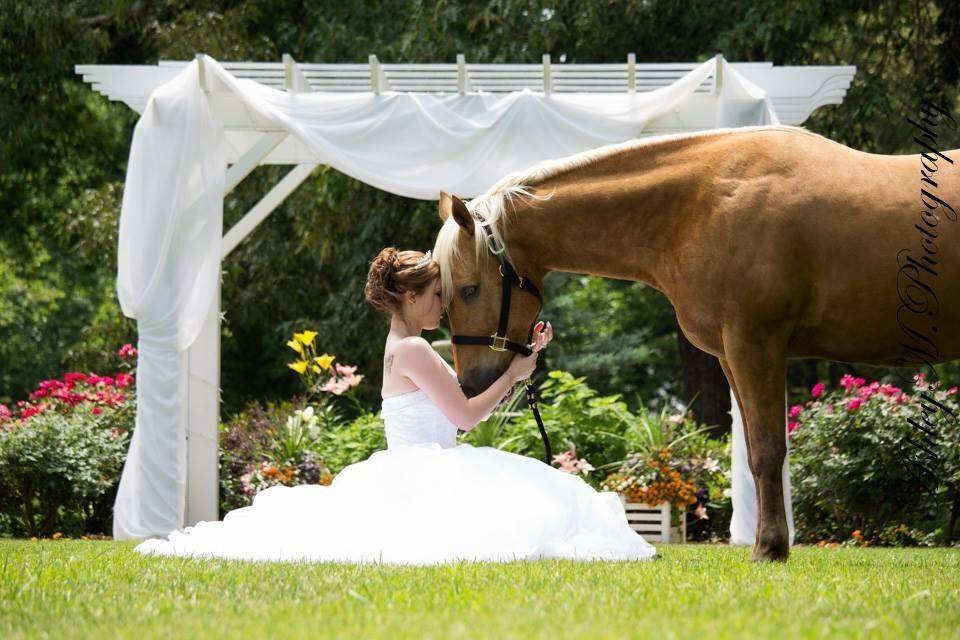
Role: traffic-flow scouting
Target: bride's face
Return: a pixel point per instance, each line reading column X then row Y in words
column 428, row 306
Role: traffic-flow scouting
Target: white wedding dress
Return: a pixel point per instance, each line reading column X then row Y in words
column 423, row 500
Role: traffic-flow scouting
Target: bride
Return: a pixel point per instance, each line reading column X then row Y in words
column 425, row 499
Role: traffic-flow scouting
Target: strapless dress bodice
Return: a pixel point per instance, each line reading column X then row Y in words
column 413, row 419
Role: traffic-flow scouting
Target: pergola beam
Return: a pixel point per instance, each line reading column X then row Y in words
column 267, row 204
column 252, row 158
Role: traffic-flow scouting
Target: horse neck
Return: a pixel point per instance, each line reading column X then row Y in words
column 617, row 217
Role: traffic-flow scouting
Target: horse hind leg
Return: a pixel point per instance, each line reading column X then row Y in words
column 758, row 365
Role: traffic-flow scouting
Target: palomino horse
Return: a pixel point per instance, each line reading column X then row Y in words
column 771, row 242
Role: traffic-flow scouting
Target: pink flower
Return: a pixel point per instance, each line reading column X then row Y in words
column 344, row 370
column 854, row 404
column 849, row 382
column 335, row 385
column 701, row 512
column 47, row 388
column 818, row 390
column 796, row 410
column 127, row 351
column 96, row 411
column 74, row 377
column 569, row 464
column 352, row 380
column 4, row 412
column 830, row 408
column 951, row 391
column 890, row 391
column 30, row 410
column 867, row 392
column 123, row 379
column 791, row 426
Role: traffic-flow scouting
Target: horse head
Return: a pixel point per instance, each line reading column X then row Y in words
column 473, row 296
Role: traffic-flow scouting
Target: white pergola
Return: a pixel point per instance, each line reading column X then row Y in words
column 794, row 91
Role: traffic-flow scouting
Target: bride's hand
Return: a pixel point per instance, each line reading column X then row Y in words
column 522, row 367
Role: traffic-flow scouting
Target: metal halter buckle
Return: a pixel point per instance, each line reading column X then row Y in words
column 492, row 243
column 503, row 342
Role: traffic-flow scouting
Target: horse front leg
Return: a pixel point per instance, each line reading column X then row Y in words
column 736, row 398
column 757, row 363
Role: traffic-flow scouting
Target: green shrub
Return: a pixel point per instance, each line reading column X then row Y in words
column 575, row 417
column 62, row 451
column 851, row 464
column 351, row 442
column 56, row 469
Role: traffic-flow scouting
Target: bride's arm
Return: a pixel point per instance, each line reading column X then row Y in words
column 416, row 359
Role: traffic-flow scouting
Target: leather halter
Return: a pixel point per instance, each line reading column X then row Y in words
column 508, row 277
column 498, row 339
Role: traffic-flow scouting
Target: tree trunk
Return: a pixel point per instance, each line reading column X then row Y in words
column 703, row 378
column 952, row 521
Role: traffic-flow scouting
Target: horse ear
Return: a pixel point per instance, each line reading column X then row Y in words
column 452, row 205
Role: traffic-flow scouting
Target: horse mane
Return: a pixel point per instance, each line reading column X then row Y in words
column 492, row 205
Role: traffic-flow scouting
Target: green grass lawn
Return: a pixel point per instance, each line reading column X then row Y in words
column 102, row 589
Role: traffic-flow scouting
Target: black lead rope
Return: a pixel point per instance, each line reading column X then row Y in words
column 532, row 401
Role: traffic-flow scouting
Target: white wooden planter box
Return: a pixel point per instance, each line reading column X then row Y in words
column 653, row 521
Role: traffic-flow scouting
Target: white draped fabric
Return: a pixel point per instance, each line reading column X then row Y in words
column 410, row 144
column 743, row 524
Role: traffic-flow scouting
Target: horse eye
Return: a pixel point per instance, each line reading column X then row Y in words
column 469, row 290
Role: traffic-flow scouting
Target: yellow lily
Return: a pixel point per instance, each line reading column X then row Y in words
column 325, row 360
column 316, row 369
column 299, row 366
column 296, row 346
column 306, row 337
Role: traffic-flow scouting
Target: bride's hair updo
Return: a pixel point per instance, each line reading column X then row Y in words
column 393, row 273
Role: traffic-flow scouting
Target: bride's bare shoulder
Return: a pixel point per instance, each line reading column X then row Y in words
column 412, row 346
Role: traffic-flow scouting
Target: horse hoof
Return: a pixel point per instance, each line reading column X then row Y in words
column 770, row 553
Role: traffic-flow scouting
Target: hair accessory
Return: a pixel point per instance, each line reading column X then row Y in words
column 425, row 260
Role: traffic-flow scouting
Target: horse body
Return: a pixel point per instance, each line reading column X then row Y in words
column 770, row 242
column 774, row 227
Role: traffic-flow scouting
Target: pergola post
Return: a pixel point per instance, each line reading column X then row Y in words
column 203, row 420
column 202, row 499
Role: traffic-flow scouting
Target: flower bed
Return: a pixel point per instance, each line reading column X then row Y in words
column 869, row 457
column 61, row 452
